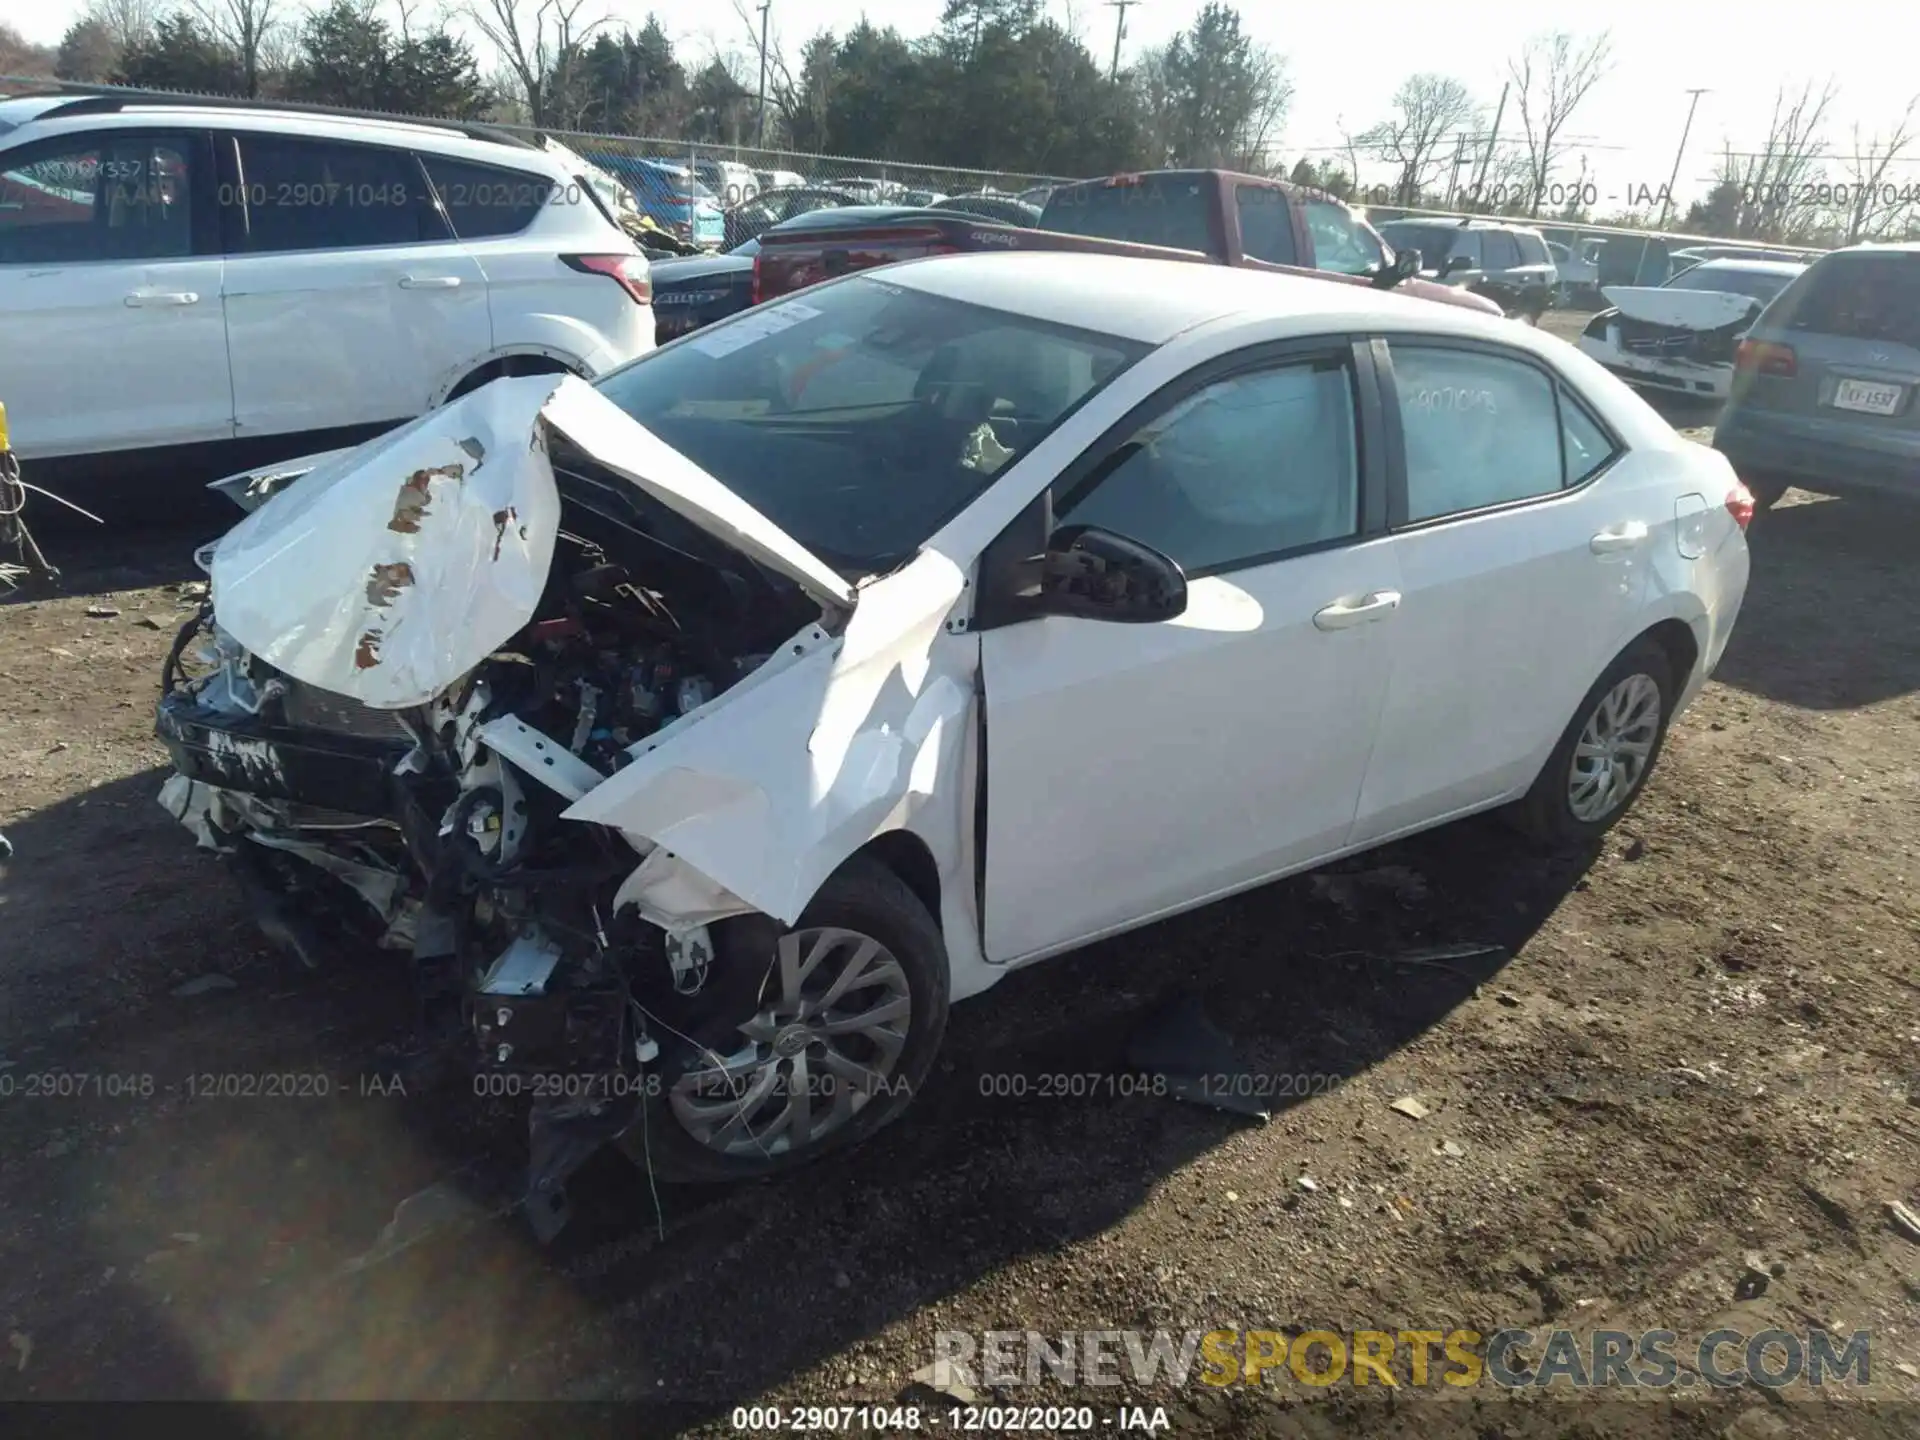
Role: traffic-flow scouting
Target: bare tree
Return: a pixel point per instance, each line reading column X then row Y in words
column 1777, row 185
column 1874, row 207
column 1428, row 108
column 538, row 42
column 247, row 27
column 1551, row 76
column 129, row 22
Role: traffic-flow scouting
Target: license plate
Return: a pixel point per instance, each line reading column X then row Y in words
column 1868, row 398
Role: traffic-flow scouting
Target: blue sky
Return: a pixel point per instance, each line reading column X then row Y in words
column 1347, row 59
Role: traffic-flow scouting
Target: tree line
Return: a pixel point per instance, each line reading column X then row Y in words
column 998, row 85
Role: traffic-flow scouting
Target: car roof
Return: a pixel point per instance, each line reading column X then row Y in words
column 1154, row 300
column 419, row 135
column 849, row 217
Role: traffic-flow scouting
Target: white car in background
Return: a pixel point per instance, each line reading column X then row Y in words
column 1680, row 337
column 197, row 285
column 724, row 721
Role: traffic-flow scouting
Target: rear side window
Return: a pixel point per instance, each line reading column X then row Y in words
column 1588, row 447
column 1480, row 430
column 111, row 197
column 1266, row 223
column 1533, row 250
column 484, row 201
column 302, row 194
column 1860, row 296
column 1499, row 250
column 1166, row 210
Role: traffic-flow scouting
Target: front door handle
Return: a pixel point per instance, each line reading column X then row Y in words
column 429, row 282
column 1345, row 613
column 1630, row 536
column 140, row 299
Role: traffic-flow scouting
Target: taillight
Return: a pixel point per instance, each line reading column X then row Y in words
column 1765, row 357
column 1740, row 505
column 628, row 271
column 755, row 293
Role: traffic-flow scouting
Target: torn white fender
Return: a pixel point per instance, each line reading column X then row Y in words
column 1681, row 309
column 388, row 572
column 768, row 795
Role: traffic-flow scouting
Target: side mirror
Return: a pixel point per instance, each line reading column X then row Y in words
column 1402, row 268
column 1454, row 264
column 1094, row 574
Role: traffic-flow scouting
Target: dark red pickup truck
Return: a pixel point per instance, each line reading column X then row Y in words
column 1212, row 216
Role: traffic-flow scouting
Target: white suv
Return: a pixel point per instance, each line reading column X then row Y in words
column 252, row 281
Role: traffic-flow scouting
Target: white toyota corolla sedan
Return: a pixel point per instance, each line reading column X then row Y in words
column 702, row 733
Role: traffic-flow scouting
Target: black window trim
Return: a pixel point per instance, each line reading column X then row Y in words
column 202, row 188
column 1370, row 437
column 1563, row 394
column 425, row 204
column 423, row 160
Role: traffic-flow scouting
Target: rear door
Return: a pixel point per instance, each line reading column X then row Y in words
column 110, row 279
column 1523, row 537
column 348, row 300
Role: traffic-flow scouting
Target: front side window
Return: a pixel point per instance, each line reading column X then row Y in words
column 302, row 194
column 104, row 197
column 1249, row 468
column 1266, row 224
column 484, row 201
column 1340, row 244
column 864, row 415
column 1480, row 430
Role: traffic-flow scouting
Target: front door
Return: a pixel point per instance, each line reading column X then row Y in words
column 348, row 300
column 110, row 287
column 1133, row 770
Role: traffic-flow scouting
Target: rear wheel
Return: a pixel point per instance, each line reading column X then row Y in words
column 850, row 1011
column 1606, row 753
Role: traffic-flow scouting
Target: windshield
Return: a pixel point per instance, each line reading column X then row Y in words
column 1169, row 209
column 864, row 416
column 1434, row 242
column 1758, row 284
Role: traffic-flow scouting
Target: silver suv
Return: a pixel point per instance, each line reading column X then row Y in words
column 1826, row 386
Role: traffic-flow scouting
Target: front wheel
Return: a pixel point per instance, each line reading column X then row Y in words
column 841, row 1034
column 1606, row 752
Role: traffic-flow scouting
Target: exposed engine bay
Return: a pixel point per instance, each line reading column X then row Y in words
column 436, row 830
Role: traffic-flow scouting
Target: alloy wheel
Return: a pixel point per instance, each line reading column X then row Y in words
column 821, row 1047
column 1614, row 749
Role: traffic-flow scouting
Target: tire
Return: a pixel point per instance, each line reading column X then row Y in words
column 863, row 899
column 1548, row 813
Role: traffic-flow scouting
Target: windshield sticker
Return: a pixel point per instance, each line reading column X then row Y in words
column 754, row 326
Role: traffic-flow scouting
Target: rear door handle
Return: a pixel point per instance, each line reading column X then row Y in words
column 429, row 282
column 1629, row 536
column 140, row 299
column 1343, row 614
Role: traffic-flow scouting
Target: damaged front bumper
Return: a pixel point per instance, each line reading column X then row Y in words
column 552, row 781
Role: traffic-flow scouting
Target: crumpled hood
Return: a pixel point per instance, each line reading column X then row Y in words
column 387, row 572
column 1681, row 309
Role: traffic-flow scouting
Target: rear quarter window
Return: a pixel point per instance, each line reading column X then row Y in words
column 484, row 201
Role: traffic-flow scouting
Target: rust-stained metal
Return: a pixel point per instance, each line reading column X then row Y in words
column 416, row 493
column 501, row 520
column 387, row 581
column 366, row 654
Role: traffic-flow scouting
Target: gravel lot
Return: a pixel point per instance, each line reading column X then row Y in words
column 1695, row 1052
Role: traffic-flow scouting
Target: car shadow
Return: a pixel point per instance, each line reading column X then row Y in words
column 359, row 1245
column 1816, row 557
column 101, row 560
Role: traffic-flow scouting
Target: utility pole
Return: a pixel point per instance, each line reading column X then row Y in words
column 760, row 124
column 1120, row 8
column 1459, row 159
column 1667, row 205
column 1493, row 138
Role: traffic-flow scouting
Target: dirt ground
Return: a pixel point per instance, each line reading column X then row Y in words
column 1690, row 1072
